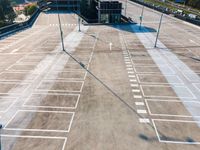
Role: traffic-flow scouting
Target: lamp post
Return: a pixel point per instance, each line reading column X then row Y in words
column 141, row 16
column 158, row 31
column 0, row 134
column 79, row 18
column 61, row 32
column 125, row 7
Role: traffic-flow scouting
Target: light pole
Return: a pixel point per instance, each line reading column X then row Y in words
column 141, row 16
column 79, row 18
column 61, row 32
column 0, row 134
column 158, row 31
column 79, row 24
column 125, row 7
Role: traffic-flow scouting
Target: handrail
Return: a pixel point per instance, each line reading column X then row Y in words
column 7, row 30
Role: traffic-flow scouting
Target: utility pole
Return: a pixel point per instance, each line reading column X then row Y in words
column 79, row 17
column 141, row 16
column 61, row 32
column 0, row 134
column 79, row 24
column 125, row 7
column 158, row 31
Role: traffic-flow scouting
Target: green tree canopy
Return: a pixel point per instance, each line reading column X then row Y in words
column 194, row 3
column 29, row 10
column 7, row 13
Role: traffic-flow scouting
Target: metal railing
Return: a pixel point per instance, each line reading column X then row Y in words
column 7, row 30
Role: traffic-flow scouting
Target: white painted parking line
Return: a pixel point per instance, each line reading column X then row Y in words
column 169, row 123
column 129, row 69
column 135, row 91
column 141, row 111
column 131, row 76
column 130, row 72
column 134, row 85
column 45, row 100
column 144, row 120
column 139, row 103
column 126, row 57
column 17, row 128
column 127, row 62
column 137, row 96
column 133, row 80
column 128, row 66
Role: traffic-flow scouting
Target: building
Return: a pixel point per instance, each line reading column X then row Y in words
column 109, row 11
column 67, row 5
column 95, row 11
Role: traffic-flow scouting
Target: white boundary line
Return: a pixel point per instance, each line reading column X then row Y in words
column 38, row 137
column 40, row 130
column 58, row 78
column 46, row 94
column 54, row 81
column 159, row 71
column 12, row 103
column 178, row 78
column 17, row 84
column 193, row 97
column 25, row 80
column 172, row 142
column 187, row 74
column 169, row 101
column 21, row 70
column 196, row 86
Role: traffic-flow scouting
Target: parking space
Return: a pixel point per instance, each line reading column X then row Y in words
column 166, row 107
column 38, row 121
column 158, row 79
column 186, row 131
column 61, row 86
column 6, row 88
column 34, row 143
column 16, row 76
column 49, row 100
column 6, row 103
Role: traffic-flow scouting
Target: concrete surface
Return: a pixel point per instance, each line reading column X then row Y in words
column 48, row 102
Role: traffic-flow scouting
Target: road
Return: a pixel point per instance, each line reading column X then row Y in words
column 48, row 102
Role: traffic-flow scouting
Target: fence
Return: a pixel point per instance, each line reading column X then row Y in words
column 5, row 31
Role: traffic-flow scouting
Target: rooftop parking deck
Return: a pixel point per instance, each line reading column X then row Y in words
column 49, row 102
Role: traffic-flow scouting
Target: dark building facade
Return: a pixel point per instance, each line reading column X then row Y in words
column 94, row 11
column 67, row 5
column 109, row 11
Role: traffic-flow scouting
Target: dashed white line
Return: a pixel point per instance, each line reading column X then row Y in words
column 139, row 103
column 129, row 68
column 133, row 80
column 135, row 91
column 134, row 85
column 141, row 111
column 131, row 76
column 144, row 120
column 137, row 96
column 130, row 72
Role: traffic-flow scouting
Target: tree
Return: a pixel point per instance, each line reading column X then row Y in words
column 6, row 11
column 29, row 10
column 2, row 17
column 194, row 3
